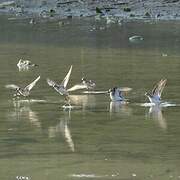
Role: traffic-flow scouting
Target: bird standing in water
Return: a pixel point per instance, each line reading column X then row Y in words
column 116, row 93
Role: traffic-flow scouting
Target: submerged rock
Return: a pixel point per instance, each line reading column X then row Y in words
column 127, row 9
column 136, row 38
column 147, row 14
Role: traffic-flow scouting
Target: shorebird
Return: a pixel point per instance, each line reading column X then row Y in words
column 116, row 93
column 155, row 95
column 19, row 91
column 85, row 84
column 25, row 64
column 61, row 88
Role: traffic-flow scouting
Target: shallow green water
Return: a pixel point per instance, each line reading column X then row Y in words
column 98, row 139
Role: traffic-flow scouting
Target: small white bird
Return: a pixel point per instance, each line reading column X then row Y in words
column 85, row 84
column 25, row 64
column 23, row 91
column 155, row 95
column 61, row 88
column 116, row 93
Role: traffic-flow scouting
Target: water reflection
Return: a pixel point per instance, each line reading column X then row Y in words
column 155, row 112
column 109, row 58
column 120, row 107
column 22, row 110
column 83, row 100
column 63, row 128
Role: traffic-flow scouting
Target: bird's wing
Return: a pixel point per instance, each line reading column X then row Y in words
column 19, row 63
column 161, row 86
column 158, row 88
column 95, row 92
column 124, row 89
column 77, row 87
column 30, row 86
column 66, row 79
column 12, row 86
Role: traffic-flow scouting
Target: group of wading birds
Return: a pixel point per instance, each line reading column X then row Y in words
column 115, row 93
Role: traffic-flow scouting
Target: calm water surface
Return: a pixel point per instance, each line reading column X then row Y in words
column 99, row 139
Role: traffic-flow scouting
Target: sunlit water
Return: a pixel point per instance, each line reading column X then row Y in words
column 97, row 139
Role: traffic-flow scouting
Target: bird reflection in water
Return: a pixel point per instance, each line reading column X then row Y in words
column 83, row 101
column 22, row 110
column 63, row 128
column 155, row 112
column 120, row 107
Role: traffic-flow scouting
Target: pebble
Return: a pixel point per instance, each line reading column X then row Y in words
column 22, row 178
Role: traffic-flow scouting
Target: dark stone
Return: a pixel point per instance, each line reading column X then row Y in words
column 52, row 11
column 107, row 10
column 69, row 17
column 132, row 15
column 147, row 14
column 127, row 9
column 171, row 1
column 98, row 11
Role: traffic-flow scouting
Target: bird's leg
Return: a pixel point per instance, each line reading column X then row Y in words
column 67, row 100
column 16, row 93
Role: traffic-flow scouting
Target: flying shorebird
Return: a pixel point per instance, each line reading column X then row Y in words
column 61, row 88
column 155, row 95
column 23, row 91
column 116, row 93
column 85, row 84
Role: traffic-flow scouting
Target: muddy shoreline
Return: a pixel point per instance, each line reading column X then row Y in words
column 63, row 9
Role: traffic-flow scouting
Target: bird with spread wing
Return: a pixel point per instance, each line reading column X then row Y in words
column 61, row 88
column 155, row 95
column 19, row 91
column 85, row 84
